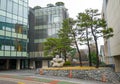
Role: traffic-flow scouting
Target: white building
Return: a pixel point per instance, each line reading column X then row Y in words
column 111, row 13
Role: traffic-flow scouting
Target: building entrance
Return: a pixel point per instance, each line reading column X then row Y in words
column 2, row 64
column 38, row 64
column 24, row 64
column 12, row 64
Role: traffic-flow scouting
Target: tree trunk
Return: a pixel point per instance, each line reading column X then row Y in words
column 89, row 51
column 96, row 44
column 65, row 55
column 60, row 54
column 80, row 60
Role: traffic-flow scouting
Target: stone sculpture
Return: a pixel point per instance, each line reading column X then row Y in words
column 57, row 62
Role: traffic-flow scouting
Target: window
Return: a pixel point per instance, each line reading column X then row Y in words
column 8, row 20
column 25, row 12
column 9, row 15
column 24, row 44
column 15, row 1
column 7, row 41
column 9, row 26
column 2, row 18
column 26, row 0
column 15, row 21
column 56, row 19
column 41, row 34
column 2, row 27
column 18, row 28
column 25, row 20
column 25, row 4
column 20, row 13
column 3, row 5
column 3, row 13
column 15, row 17
column 41, row 20
column 53, row 31
column 45, row 19
column 49, row 32
column 9, row 6
column 20, row 19
column 24, row 29
column 20, row 2
column 15, row 6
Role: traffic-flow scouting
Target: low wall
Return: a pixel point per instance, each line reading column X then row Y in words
column 103, row 74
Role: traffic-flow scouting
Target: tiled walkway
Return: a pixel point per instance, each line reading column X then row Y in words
column 29, row 80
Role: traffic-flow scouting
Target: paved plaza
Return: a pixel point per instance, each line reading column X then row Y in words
column 32, row 77
column 4, row 81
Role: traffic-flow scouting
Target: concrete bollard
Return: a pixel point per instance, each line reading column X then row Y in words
column 103, row 78
column 70, row 74
column 41, row 71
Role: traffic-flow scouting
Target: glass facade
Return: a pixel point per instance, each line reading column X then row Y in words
column 48, row 21
column 13, row 28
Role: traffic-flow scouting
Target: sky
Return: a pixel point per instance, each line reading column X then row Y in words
column 74, row 7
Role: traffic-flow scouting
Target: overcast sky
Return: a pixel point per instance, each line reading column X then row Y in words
column 73, row 6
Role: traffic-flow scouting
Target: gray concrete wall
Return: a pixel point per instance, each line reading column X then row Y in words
column 117, row 63
column 112, row 16
column 113, row 20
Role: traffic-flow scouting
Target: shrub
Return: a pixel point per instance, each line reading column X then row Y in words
column 67, row 63
column 102, row 64
column 59, row 4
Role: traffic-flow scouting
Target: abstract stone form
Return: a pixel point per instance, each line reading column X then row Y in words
column 57, row 62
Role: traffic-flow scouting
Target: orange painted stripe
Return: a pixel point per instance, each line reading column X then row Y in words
column 54, row 82
column 28, row 78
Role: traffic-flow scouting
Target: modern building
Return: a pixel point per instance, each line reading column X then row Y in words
column 111, row 11
column 45, row 23
column 13, row 34
column 108, row 59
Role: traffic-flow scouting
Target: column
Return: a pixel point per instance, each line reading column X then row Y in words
column 32, row 64
column 7, row 64
column 117, row 63
column 44, row 64
column 18, row 64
